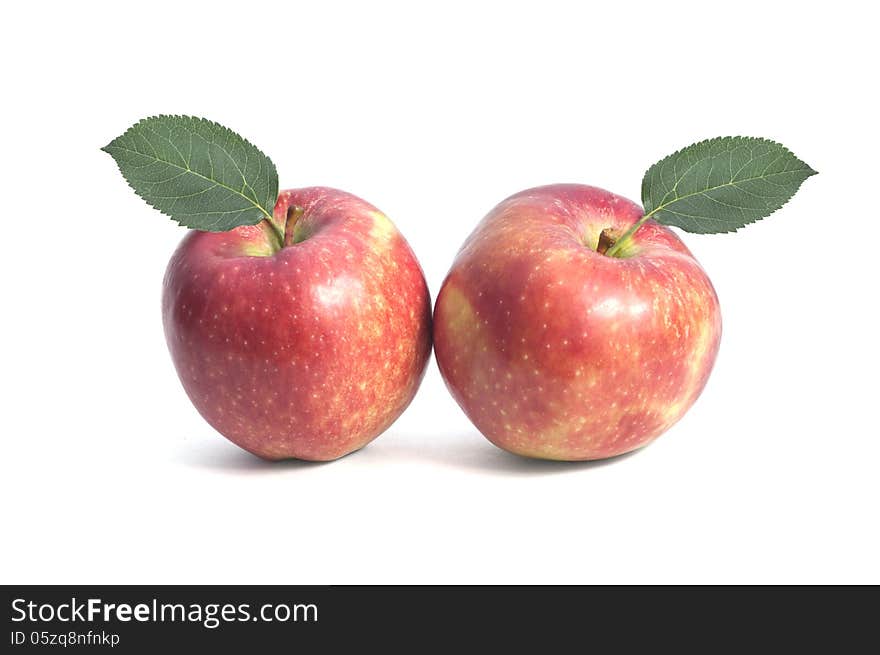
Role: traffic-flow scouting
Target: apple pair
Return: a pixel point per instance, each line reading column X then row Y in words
column 571, row 326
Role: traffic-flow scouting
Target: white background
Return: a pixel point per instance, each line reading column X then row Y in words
column 435, row 115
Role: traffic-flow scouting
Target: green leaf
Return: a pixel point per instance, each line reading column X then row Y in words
column 203, row 175
column 722, row 184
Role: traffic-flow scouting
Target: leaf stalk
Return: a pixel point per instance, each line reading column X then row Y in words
column 626, row 237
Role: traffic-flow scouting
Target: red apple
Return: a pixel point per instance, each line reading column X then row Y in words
column 308, row 351
column 556, row 351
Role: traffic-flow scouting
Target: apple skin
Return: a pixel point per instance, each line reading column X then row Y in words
column 309, row 352
column 555, row 351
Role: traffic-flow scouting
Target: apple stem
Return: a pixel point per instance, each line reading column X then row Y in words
column 294, row 213
column 605, row 242
column 626, row 236
column 274, row 233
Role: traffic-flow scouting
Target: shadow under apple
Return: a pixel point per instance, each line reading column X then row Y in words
column 472, row 452
column 220, row 456
column 467, row 451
